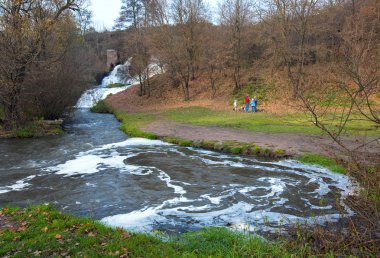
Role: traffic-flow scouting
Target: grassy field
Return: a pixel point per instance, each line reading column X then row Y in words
column 41, row 231
column 261, row 122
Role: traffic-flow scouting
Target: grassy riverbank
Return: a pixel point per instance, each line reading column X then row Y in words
column 132, row 124
column 34, row 129
column 41, row 231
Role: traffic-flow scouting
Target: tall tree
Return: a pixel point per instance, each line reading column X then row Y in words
column 189, row 15
column 131, row 14
column 25, row 30
column 235, row 15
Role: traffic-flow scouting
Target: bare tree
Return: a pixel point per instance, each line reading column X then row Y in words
column 25, row 29
column 235, row 15
column 189, row 15
column 213, row 58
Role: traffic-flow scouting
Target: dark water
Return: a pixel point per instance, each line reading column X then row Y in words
column 95, row 170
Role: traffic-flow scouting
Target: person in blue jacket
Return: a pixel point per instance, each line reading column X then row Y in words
column 254, row 104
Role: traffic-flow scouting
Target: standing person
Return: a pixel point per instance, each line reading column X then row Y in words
column 246, row 103
column 255, row 100
column 253, row 105
column 235, row 105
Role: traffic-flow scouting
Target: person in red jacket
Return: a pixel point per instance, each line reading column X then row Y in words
column 246, row 103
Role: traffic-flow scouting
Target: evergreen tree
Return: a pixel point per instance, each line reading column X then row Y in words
column 131, row 14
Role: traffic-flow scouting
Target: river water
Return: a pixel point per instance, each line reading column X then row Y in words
column 95, row 170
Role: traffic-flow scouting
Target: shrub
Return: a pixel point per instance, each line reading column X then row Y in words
column 236, row 150
column 101, row 107
column 257, row 149
column 185, row 143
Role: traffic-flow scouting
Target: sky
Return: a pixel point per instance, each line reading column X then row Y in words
column 106, row 11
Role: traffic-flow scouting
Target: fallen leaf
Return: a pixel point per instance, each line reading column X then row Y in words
column 17, row 238
column 45, row 229
column 91, row 234
column 37, row 253
column 58, row 236
column 125, row 235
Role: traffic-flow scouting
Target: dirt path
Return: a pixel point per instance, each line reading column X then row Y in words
column 294, row 144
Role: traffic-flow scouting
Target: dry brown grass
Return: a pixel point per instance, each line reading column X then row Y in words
column 164, row 96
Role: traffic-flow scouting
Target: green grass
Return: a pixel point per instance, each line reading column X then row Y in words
column 133, row 122
column 101, row 107
column 323, row 161
column 262, row 122
column 36, row 129
column 45, row 232
column 116, row 85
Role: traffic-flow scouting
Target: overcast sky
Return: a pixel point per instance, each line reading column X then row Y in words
column 106, row 11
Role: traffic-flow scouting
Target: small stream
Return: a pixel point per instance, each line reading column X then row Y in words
column 95, row 170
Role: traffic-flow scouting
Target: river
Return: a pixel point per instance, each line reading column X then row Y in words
column 95, row 170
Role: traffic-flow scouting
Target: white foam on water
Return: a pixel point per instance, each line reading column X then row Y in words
column 88, row 164
column 210, row 208
column 239, row 215
column 18, row 186
column 277, row 186
column 166, row 178
column 134, row 142
column 95, row 160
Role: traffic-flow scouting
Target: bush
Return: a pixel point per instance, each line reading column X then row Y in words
column 101, row 107
column 26, row 132
column 236, row 150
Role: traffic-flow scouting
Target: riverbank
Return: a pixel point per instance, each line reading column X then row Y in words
column 38, row 128
column 41, row 231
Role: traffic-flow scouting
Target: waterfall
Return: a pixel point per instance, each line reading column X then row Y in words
column 120, row 74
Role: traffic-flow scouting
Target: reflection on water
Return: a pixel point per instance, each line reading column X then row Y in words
column 94, row 170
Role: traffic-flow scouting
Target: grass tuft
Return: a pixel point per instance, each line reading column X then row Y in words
column 323, row 161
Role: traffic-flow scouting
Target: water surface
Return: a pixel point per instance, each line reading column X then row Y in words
column 95, row 170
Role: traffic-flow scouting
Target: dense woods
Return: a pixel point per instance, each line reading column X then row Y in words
column 43, row 60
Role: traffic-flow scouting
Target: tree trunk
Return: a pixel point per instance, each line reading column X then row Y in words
column 142, row 88
column 185, row 88
column 237, row 78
